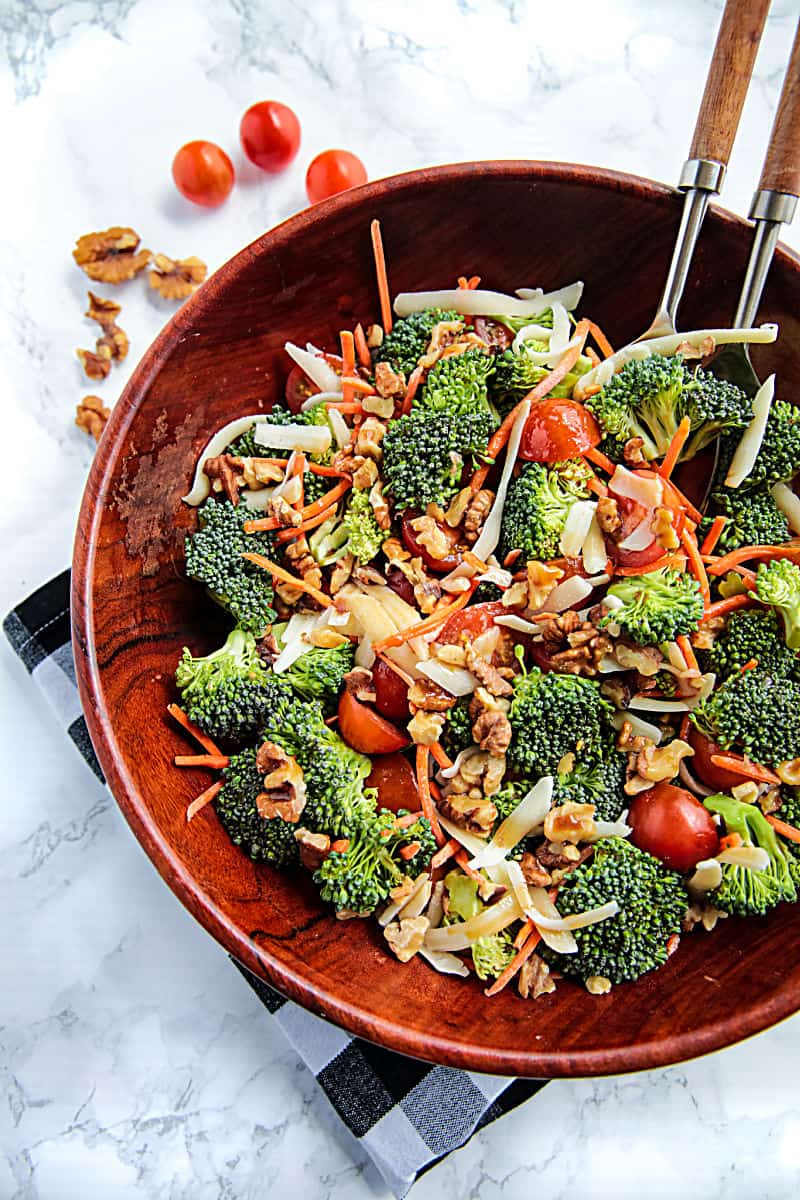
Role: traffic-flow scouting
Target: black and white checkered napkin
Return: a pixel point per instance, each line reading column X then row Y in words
column 406, row 1114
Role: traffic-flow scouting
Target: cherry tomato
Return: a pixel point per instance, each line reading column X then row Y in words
column 394, row 777
column 333, row 171
column 632, row 513
column 402, row 587
column 702, row 766
column 558, row 429
column 409, row 535
column 473, row 621
column 498, row 337
column 672, row 825
column 203, row 173
column 365, row 730
column 391, row 694
column 298, row 389
column 270, row 135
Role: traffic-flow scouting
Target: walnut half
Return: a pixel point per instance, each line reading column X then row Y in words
column 176, row 278
column 111, row 256
column 91, row 415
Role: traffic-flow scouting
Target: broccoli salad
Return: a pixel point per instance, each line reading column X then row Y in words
column 513, row 661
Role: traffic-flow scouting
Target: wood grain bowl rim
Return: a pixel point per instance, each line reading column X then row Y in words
column 659, row 1052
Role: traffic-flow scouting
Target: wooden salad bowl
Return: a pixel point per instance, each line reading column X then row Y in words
column 516, row 224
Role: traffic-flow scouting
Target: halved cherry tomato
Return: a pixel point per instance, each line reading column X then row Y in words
column 409, row 535
column 391, row 693
column 203, row 173
column 402, row 587
column 365, row 730
column 558, row 429
column 473, row 621
column 298, row 389
column 333, row 171
column 669, row 823
column 702, row 766
column 394, row 777
column 270, row 135
column 498, row 337
column 632, row 514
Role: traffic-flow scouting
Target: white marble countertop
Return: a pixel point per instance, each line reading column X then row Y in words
column 135, row 1060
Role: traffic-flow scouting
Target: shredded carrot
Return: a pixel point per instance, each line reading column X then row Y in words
column 446, row 853
column 408, row 851
column 328, row 499
column 713, row 535
column 341, row 845
column 606, row 349
column 511, row 558
column 523, row 931
column 362, row 349
column 683, row 732
column 592, row 390
column 720, row 607
column 358, row 385
column 299, row 470
column 440, row 756
column 286, row 577
column 677, row 561
column 214, row 761
column 348, row 345
column 203, row 799
column 745, row 768
column 398, row 670
column 293, row 531
column 201, row 738
column 676, row 444
column 729, row 842
column 345, row 407
column 462, row 858
column 474, row 561
column 522, row 956
column 329, row 472
column 462, row 283
column 685, row 647
column 750, row 665
column 597, row 486
column 689, row 543
column 411, row 389
column 790, row 550
column 593, row 356
column 784, row 829
column 427, row 626
column 408, row 819
column 380, row 272
column 600, row 460
column 425, row 796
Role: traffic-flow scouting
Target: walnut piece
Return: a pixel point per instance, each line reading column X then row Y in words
column 176, row 278
column 469, row 810
column 701, row 914
column 633, row 453
column 485, row 673
column 431, row 536
column 111, row 256
column 314, row 848
column 608, row 517
column 535, row 979
column 284, row 793
column 425, row 728
column 91, row 415
column 534, row 872
column 326, row 638
column 457, row 507
column 343, row 569
column 569, row 822
column 541, row 580
column 389, row 382
column 225, row 474
column 647, row 660
column 369, row 438
column 656, row 764
column 598, row 985
column 427, row 695
column 476, row 513
column 96, row 365
column 405, row 937
column 380, row 507
column 284, row 513
column 374, row 336
column 102, row 310
column 113, row 343
column 379, row 406
column 492, row 732
column 358, row 683
column 664, row 529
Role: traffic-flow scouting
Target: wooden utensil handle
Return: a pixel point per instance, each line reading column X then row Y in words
column 728, row 79
column 781, row 171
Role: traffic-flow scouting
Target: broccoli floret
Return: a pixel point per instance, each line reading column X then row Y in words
column 649, row 397
column 227, row 692
column 263, row 839
column 516, row 374
column 360, row 877
column 778, row 584
column 364, row 536
column 318, row 674
column 754, row 519
column 516, row 324
column 491, row 954
column 214, row 558
column 595, row 780
column 457, row 731
column 538, row 503
column 552, row 715
column 756, row 712
column 424, row 455
column 743, row 891
column 408, row 341
column 657, row 607
column 789, row 810
column 457, row 385
column 751, row 633
column 510, row 796
column 779, row 454
column 652, row 902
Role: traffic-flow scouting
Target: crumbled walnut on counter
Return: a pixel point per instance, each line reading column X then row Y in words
column 176, row 278
column 535, row 979
column 633, row 452
column 284, row 793
column 476, row 513
column 314, row 848
column 111, row 256
column 425, row 728
column 405, row 937
column 598, row 985
column 91, row 416
column 428, row 696
column 97, row 366
column 569, row 822
column 389, row 382
column 492, row 732
column 608, row 517
column 113, row 344
column 102, row 310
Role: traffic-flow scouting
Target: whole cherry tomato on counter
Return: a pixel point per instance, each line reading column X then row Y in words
column 203, row 173
column 391, row 693
column 333, row 171
column 702, row 766
column 669, row 823
column 394, row 777
column 365, row 730
column 558, row 429
column 270, row 135
column 411, row 538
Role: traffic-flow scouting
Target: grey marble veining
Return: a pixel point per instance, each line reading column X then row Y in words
column 135, row 1061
